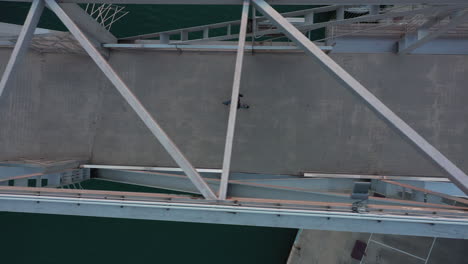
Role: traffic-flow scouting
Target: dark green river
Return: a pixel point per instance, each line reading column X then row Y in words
column 48, row 239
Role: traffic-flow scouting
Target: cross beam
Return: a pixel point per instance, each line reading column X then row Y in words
column 131, row 99
column 456, row 175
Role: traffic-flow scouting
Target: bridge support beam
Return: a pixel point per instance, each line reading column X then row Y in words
column 168, row 208
column 223, row 187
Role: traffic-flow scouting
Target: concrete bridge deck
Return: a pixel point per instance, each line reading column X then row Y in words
column 61, row 106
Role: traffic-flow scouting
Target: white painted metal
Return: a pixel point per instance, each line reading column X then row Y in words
column 22, row 43
column 234, row 101
column 207, row 47
column 374, row 177
column 238, row 215
column 142, row 168
column 128, row 95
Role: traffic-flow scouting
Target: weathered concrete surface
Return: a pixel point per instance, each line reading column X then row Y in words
column 447, row 251
column 417, row 246
column 49, row 110
column 319, row 246
column 300, row 119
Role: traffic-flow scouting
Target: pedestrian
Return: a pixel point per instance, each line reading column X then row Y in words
column 239, row 104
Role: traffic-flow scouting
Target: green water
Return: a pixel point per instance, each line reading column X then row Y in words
column 32, row 238
column 48, row 239
column 151, row 18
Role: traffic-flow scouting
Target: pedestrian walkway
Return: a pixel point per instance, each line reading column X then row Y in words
column 317, row 246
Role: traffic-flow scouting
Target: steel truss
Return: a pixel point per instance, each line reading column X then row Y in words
column 276, row 201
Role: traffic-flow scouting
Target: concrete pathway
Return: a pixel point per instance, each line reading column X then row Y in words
column 316, row 246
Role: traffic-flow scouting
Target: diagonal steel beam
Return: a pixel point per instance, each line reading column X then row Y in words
column 95, row 32
column 234, row 101
column 22, row 43
column 456, row 175
column 88, row 24
column 136, row 105
column 423, row 35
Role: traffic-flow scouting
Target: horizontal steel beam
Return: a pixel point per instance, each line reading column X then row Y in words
column 206, row 47
column 289, row 190
column 375, row 177
column 236, row 188
column 163, row 169
column 439, row 46
column 273, row 2
column 255, row 176
column 104, row 204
